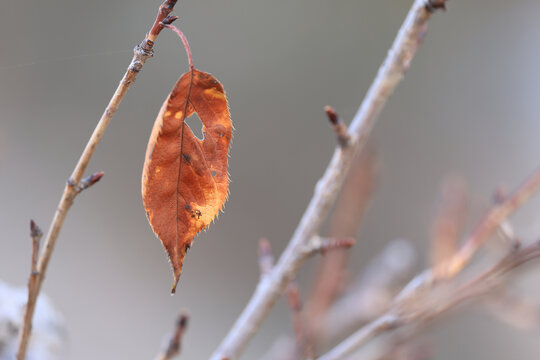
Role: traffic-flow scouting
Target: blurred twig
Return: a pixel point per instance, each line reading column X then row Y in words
column 74, row 185
column 372, row 293
column 401, row 314
column 272, row 286
column 450, row 220
column 173, row 346
column 412, row 305
column 491, row 222
column 514, row 310
column 406, row 347
column 345, row 221
column 304, row 349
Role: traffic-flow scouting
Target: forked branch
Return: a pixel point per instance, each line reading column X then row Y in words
column 271, row 287
column 398, row 317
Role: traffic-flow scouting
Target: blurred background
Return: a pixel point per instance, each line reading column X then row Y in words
column 468, row 105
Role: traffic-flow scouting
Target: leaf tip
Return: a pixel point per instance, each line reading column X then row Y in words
column 176, row 279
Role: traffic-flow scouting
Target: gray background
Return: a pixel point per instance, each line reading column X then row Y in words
column 469, row 104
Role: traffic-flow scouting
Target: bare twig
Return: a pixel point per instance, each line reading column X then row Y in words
column 273, row 285
column 400, row 316
column 373, row 292
column 406, row 347
column 35, row 235
column 345, row 221
column 514, row 309
column 74, row 185
column 450, row 220
column 304, row 349
column 174, row 344
column 491, row 222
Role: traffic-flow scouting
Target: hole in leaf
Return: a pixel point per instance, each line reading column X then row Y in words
column 195, row 124
column 213, row 174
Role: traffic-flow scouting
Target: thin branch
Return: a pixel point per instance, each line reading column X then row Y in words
column 304, row 348
column 514, row 310
column 372, row 293
column 35, row 235
column 74, row 186
column 174, row 344
column 491, row 222
column 449, row 221
column 399, row 316
column 345, row 221
column 272, row 286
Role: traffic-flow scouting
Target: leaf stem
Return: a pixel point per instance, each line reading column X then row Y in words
column 184, row 41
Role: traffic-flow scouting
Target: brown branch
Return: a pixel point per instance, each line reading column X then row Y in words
column 304, row 349
column 272, row 286
column 345, row 221
column 74, row 185
column 449, row 221
column 406, row 347
column 491, row 222
column 36, row 234
column 514, row 310
column 400, row 315
column 24, row 337
column 174, row 344
column 372, row 293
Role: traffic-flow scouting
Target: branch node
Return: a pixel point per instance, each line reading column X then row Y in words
column 169, row 20
column 35, row 230
column 142, row 52
column 91, row 180
column 434, row 5
column 86, row 182
column 322, row 245
column 338, row 126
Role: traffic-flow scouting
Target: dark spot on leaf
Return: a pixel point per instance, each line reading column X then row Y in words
column 188, row 207
column 187, row 158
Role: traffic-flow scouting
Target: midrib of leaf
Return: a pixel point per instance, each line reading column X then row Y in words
column 182, row 153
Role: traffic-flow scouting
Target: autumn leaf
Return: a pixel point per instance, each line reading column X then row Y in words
column 185, row 180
